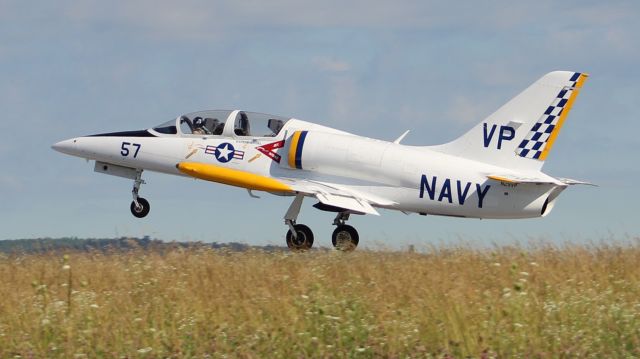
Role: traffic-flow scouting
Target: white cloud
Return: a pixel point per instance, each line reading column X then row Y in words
column 331, row 64
column 11, row 183
column 212, row 20
column 343, row 100
column 464, row 110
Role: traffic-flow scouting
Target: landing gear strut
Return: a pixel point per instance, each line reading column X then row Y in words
column 139, row 206
column 344, row 237
column 299, row 236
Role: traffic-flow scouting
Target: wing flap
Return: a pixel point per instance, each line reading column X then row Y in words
column 347, row 202
column 338, row 196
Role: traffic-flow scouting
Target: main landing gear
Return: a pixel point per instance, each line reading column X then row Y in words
column 344, row 237
column 300, row 237
column 139, row 206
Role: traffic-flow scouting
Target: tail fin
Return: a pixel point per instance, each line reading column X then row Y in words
column 520, row 134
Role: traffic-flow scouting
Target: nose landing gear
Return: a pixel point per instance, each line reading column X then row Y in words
column 139, row 206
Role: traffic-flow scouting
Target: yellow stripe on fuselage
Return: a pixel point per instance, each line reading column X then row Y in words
column 563, row 116
column 293, row 147
column 232, row 177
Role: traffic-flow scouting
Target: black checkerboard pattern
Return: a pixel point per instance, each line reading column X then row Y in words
column 536, row 140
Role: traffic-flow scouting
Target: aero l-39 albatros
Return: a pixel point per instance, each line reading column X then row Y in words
column 492, row 171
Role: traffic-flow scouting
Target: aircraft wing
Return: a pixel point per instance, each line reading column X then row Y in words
column 338, row 196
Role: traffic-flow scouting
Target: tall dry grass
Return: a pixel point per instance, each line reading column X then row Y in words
column 574, row 301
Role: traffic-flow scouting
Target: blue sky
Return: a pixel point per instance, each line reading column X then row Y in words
column 375, row 68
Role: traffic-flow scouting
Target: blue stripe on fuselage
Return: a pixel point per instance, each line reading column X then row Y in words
column 303, row 135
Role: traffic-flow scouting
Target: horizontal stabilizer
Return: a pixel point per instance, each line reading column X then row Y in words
column 570, row 182
column 515, row 179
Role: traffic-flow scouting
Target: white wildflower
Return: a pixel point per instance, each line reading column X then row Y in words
column 144, row 350
column 59, row 303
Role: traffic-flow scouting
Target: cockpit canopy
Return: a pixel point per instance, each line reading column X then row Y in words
column 223, row 123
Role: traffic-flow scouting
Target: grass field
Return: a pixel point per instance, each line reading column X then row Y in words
column 569, row 301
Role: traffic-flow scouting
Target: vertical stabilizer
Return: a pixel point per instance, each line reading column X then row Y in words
column 520, row 134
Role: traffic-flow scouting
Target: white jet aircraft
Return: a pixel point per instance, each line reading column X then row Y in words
column 493, row 171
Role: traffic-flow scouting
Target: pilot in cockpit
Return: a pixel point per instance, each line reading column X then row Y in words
column 198, row 126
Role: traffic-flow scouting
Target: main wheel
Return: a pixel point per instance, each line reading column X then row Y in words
column 345, row 238
column 142, row 210
column 303, row 240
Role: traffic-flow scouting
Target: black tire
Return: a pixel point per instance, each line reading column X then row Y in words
column 345, row 238
column 304, row 240
column 142, row 210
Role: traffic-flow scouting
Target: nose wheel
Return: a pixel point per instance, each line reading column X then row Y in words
column 140, row 209
column 139, row 206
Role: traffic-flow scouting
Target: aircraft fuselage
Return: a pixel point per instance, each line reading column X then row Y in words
column 415, row 179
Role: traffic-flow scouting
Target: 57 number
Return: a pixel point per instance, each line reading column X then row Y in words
column 125, row 149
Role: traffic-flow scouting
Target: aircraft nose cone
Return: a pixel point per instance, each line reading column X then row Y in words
column 66, row 146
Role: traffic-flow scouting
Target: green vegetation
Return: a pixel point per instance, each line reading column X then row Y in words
column 570, row 301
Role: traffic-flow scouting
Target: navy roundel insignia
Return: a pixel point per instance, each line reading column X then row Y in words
column 224, row 152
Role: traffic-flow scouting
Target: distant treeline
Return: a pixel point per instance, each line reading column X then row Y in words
column 44, row 245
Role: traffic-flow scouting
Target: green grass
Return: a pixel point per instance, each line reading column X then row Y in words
column 570, row 301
